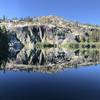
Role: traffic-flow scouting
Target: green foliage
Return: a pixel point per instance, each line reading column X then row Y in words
column 3, row 37
column 44, row 45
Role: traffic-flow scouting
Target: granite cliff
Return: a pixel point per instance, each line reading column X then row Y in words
column 51, row 30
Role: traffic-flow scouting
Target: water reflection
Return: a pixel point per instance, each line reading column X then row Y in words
column 17, row 57
column 3, row 57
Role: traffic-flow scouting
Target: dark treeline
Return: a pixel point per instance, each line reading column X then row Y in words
column 3, row 46
column 3, row 38
column 92, row 35
column 5, row 19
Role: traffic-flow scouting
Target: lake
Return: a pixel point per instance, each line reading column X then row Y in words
column 70, row 84
column 49, row 74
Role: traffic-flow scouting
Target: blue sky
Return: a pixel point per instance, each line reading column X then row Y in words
column 85, row 11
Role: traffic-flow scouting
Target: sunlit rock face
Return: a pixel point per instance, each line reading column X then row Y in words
column 30, row 35
column 50, row 29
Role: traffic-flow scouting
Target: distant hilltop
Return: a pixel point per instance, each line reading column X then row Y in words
column 54, row 20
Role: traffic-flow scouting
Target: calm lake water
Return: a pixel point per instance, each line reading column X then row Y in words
column 71, row 84
column 49, row 74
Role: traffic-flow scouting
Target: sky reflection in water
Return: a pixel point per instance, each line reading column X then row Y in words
column 81, row 83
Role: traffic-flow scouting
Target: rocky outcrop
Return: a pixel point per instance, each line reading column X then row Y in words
column 52, row 30
column 24, row 36
column 30, row 35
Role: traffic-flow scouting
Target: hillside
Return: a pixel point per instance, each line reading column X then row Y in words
column 51, row 30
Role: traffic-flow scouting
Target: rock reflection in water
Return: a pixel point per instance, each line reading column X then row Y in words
column 48, row 60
